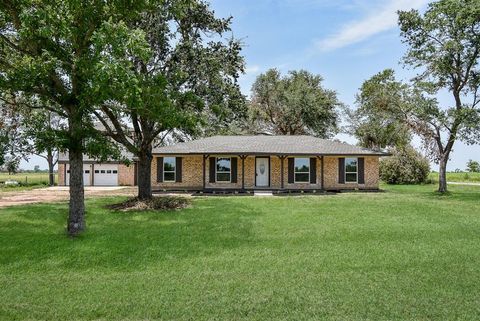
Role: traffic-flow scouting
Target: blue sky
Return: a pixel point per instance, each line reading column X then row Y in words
column 345, row 41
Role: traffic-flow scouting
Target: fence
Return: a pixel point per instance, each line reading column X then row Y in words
column 28, row 178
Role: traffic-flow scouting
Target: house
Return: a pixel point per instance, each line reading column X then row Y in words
column 255, row 162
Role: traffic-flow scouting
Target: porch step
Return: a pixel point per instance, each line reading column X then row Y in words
column 262, row 193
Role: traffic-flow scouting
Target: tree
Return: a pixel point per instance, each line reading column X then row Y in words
column 50, row 56
column 13, row 145
column 188, row 85
column 296, row 104
column 405, row 166
column 373, row 123
column 38, row 131
column 11, row 165
column 44, row 129
column 473, row 166
column 444, row 43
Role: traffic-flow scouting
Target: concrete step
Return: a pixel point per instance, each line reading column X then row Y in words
column 262, row 193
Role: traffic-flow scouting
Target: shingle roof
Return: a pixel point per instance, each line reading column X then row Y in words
column 274, row 145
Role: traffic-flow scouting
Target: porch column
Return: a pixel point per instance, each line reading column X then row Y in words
column 321, row 166
column 242, row 157
column 204, row 170
column 281, row 170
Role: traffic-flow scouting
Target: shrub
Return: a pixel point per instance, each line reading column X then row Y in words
column 159, row 203
column 405, row 166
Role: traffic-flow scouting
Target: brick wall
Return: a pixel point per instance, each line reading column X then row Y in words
column 192, row 174
column 318, row 185
column 371, row 174
column 61, row 174
column 126, row 175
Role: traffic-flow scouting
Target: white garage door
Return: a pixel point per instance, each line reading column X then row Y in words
column 87, row 173
column 105, row 175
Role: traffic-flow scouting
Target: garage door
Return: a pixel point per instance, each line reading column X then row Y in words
column 105, row 175
column 87, row 173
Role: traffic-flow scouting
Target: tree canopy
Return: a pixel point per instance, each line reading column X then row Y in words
column 374, row 122
column 51, row 55
column 187, row 82
column 444, row 45
column 473, row 166
column 295, row 104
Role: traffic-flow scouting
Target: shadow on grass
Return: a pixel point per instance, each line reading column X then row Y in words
column 34, row 235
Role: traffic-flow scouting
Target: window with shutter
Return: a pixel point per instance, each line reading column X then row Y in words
column 351, row 170
column 169, row 165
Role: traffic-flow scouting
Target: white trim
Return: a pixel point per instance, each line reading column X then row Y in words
column 345, row 171
column 229, row 172
column 295, row 172
column 174, row 171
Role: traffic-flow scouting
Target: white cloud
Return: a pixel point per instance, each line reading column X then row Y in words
column 252, row 69
column 380, row 19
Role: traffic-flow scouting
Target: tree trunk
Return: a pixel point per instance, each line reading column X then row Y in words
column 76, row 216
column 144, row 174
column 442, row 176
column 51, row 176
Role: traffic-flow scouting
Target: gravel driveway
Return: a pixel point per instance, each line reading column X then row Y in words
column 59, row 193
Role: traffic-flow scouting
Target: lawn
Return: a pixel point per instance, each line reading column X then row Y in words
column 406, row 254
column 458, row 177
column 26, row 180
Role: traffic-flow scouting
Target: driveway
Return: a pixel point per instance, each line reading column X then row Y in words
column 464, row 183
column 60, row 193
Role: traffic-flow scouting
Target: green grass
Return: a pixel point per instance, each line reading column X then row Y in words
column 28, row 178
column 458, row 177
column 407, row 254
column 27, row 181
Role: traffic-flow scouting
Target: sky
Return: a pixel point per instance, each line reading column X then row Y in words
column 345, row 41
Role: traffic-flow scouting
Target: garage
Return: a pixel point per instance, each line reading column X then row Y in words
column 96, row 174
column 87, row 172
column 105, row 175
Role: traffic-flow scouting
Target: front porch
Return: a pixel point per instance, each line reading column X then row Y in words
column 238, row 172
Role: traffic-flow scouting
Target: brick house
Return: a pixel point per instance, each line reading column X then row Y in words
column 253, row 162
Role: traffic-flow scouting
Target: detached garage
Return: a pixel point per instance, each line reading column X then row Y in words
column 96, row 174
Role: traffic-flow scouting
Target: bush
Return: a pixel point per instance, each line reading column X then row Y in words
column 405, row 166
column 157, row 203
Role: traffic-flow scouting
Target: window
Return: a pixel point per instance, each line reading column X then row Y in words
column 169, row 169
column 97, row 171
column 109, row 171
column 87, row 171
column 351, row 170
column 102, row 171
column 224, row 169
column 68, row 171
column 302, row 170
column 114, row 172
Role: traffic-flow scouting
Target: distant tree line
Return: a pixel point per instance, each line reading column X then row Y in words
column 473, row 166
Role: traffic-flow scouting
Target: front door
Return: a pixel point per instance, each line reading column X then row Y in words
column 262, row 171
